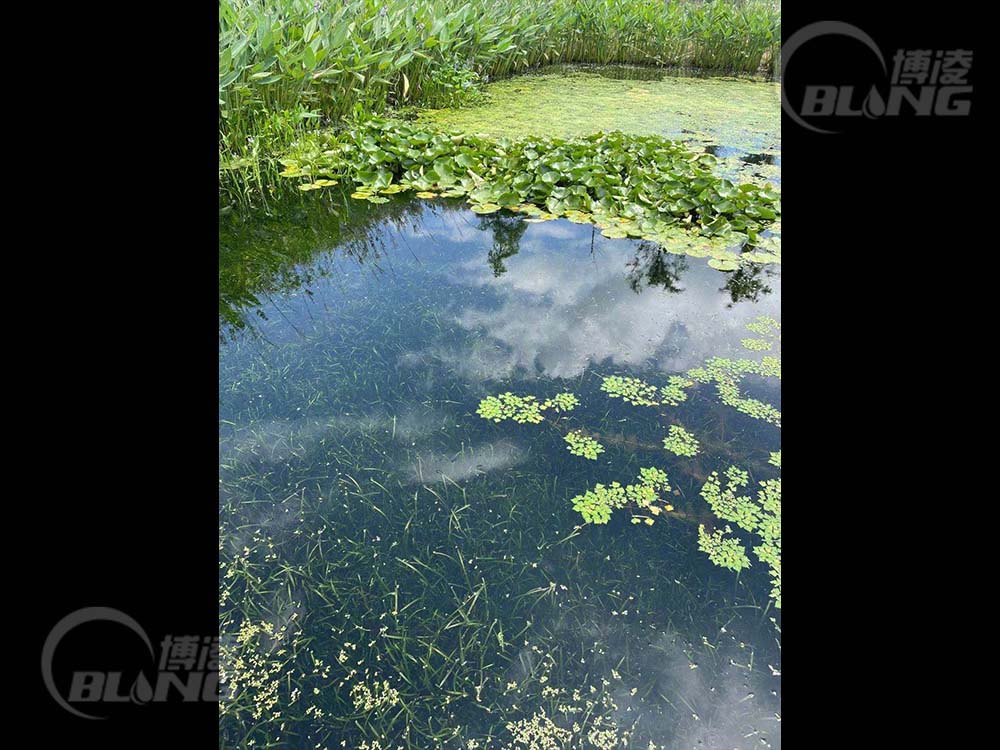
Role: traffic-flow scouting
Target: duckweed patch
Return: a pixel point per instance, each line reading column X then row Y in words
column 628, row 186
column 760, row 516
column 630, row 390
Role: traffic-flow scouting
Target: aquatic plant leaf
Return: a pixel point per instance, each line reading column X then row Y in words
column 580, row 444
column 723, row 265
column 681, row 442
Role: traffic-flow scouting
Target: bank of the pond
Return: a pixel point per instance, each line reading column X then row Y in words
column 287, row 67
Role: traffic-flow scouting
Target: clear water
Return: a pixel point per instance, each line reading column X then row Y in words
column 383, row 532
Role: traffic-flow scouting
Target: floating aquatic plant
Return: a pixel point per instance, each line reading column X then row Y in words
column 510, row 406
column 583, row 445
column 681, row 442
column 724, row 551
column 628, row 186
column 562, row 402
column 596, row 505
column 765, row 325
column 674, row 392
column 727, row 374
column 630, row 390
column 760, row 516
column 756, row 345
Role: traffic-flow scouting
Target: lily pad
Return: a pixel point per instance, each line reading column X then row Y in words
column 723, row 265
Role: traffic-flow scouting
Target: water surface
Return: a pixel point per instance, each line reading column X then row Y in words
column 397, row 572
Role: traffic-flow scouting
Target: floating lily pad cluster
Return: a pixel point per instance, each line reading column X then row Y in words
column 760, row 516
column 583, row 445
column 640, row 393
column 597, row 505
column 523, row 409
column 681, row 442
column 628, row 186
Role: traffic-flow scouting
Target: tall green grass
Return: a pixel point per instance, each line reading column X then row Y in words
column 286, row 66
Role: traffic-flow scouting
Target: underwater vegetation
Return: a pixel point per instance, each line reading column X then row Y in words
column 395, row 573
column 629, row 186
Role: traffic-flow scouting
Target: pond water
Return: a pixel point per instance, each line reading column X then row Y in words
column 398, row 572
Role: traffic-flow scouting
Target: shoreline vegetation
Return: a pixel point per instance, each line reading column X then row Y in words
column 291, row 67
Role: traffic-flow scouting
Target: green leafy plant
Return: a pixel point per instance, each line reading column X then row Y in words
column 628, row 186
column 597, row 504
column 760, row 516
column 524, row 409
column 675, row 393
column 681, row 442
column 630, row 390
column 323, row 61
column 583, row 445
column 756, row 345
